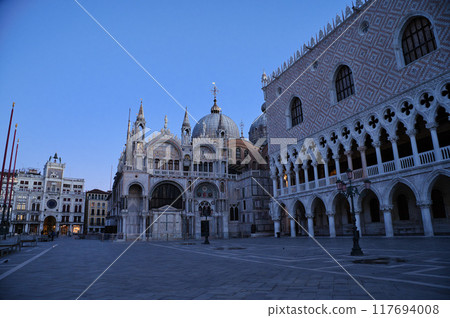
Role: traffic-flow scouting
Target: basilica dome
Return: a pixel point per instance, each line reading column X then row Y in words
column 214, row 123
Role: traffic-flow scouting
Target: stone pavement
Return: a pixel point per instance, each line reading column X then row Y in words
column 259, row 268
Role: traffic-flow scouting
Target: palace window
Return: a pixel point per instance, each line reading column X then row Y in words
column 418, row 39
column 234, row 214
column 344, row 83
column 296, row 112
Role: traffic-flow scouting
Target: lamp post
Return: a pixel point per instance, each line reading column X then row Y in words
column 350, row 191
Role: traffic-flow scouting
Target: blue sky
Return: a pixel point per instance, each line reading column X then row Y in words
column 73, row 85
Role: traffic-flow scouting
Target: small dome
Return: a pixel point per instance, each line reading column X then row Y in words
column 258, row 129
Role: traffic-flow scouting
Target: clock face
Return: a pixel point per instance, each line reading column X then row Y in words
column 51, row 204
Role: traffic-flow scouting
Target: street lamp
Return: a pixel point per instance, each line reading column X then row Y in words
column 351, row 191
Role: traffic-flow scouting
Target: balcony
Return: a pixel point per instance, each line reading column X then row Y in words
column 388, row 167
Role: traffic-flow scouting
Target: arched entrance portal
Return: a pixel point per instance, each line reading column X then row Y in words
column 166, row 206
column 135, row 207
column 300, row 216
column 321, row 226
column 284, row 220
column 440, row 204
column 371, row 218
column 406, row 215
column 49, row 224
column 342, row 217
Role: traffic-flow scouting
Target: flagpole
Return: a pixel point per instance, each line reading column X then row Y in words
column 12, row 185
column 4, row 161
column 7, row 182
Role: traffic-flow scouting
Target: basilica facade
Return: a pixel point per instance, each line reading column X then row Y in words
column 169, row 187
column 371, row 94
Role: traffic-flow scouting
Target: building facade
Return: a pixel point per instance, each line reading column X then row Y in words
column 95, row 211
column 370, row 93
column 48, row 201
column 179, row 188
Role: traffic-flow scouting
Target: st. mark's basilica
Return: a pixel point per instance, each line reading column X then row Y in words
column 206, row 181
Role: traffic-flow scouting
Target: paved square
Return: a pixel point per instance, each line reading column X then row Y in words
column 262, row 268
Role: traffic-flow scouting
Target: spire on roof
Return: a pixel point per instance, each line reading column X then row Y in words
column 141, row 112
column 186, row 119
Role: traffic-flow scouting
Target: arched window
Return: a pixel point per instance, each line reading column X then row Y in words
column 344, row 83
column 238, row 153
column 166, row 194
column 296, row 112
column 403, row 209
column 418, row 39
column 438, row 206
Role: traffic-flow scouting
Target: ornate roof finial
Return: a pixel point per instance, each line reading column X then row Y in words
column 242, row 129
column 215, row 108
column 165, row 122
column 141, row 111
column 186, row 119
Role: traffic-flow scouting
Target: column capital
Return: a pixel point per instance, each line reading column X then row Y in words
column 411, row 132
column 330, row 213
column 376, row 144
column 348, row 152
column 309, row 216
column 431, row 125
column 393, row 139
column 296, row 168
column 361, row 148
column 424, row 204
column 336, row 157
column 386, row 208
column 314, row 164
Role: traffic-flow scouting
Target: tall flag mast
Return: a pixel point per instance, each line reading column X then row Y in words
column 4, row 161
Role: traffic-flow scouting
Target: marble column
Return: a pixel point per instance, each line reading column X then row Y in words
column 434, row 137
column 276, row 227
column 387, row 215
column 377, row 144
column 289, row 181
column 362, row 151
column 348, row 153
column 426, row 218
column 316, row 175
column 393, row 141
column 225, row 226
column 412, row 136
column 305, row 171
column 338, row 167
column 274, row 184
column 327, row 176
column 292, row 221
column 310, row 225
column 331, row 224
column 297, row 178
column 144, row 222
